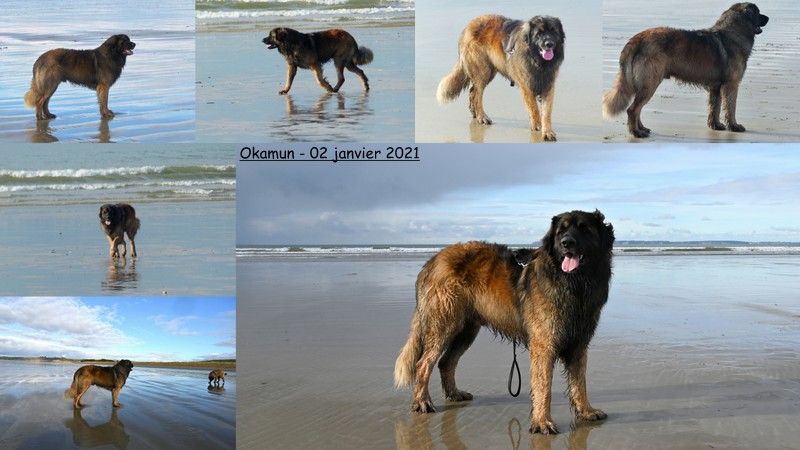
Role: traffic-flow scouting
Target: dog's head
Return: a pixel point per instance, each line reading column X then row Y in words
column 119, row 45
column 278, row 37
column 109, row 215
column 124, row 364
column 577, row 239
column 544, row 37
column 745, row 15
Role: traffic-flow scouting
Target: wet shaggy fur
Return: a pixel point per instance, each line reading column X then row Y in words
column 713, row 58
column 551, row 305
column 312, row 50
column 116, row 221
column 112, row 378
column 96, row 69
column 215, row 376
column 515, row 49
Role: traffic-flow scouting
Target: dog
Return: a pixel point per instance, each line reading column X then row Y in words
column 526, row 53
column 215, row 376
column 96, row 69
column 112, row 378
column 551, row 305
column 312, row 50
column 714, row 58
column 116, row 221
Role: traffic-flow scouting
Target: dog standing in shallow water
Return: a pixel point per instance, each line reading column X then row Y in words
column 112, row 378
column 552, row 305
column 312, row 50
column 96, row 69
column 215, row 376
column 528, row 53
column 714, row 58
column 116, row 221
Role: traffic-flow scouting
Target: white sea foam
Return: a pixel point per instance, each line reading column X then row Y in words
column 247, row 14
column 85, row 173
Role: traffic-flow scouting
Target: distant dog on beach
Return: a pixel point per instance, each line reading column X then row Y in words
column 551, row 305
column 714, row 58
column 215, row 376
column 112, row 378
column 96, row 69
column 528, row 53
column 116, row 221
column 312, row 50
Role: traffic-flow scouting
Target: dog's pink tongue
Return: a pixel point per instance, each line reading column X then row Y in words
column 547, row 54
column 570, row 263
column 108, row 222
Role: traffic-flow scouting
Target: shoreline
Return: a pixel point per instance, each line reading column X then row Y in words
column 210, row 364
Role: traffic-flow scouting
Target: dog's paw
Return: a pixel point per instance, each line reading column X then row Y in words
column 735, row 127
column 483, row 119
column 543, row 427
column 549, row 136
column 716, row 126
column 108, row 114
column 283, row 92
column 459, row 396
column 591, row 415
column 639, row 133
column 422, row 406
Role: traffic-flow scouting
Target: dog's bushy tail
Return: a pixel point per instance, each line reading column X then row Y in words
column 452, row 84
column 32, row 95
column 70, row 393
column 364, row 56
column 405, row 367
column 619, row 97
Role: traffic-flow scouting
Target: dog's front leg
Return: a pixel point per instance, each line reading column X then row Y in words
column 115, row 397
column 576, row 382
column 542, row 361
column 321, row 78
column 533, row 107
column 102, row 99
column 547, row 112
column 291, row 71
column 112, row 246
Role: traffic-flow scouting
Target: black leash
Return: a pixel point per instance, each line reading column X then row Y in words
column 514, row 365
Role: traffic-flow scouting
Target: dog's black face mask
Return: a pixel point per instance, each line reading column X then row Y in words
column 578, row 237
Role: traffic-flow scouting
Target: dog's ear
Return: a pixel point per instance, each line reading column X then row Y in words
column 562, row 36
column 531, row 28
column 606, row 230
column 548, row 241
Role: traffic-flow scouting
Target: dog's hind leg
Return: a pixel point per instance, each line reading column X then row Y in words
column 43, row 101
column 291, row 71
column 82, row 388
column 434, row 338
column 730, row 91
column 448, row 363
column 635, row 126
column 480, row 74
column 356, row 70
column 714, row 101
column 131, row 232
column 321, row 78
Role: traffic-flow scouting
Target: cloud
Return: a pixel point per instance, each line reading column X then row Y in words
column 176, row 326
column 57, row 327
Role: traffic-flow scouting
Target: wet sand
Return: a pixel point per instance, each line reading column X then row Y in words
column 161, row 408
column 576, row 116
column 768, row 95
column 692, row 351
column 238, row 81
column 153, row 98
column 185, row 248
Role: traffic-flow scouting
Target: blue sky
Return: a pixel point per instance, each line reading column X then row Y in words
column 143, row 329
column 508, row 193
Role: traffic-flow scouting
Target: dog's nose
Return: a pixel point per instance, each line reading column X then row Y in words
column 549, row 44
column 567, row 242
column 265, row 40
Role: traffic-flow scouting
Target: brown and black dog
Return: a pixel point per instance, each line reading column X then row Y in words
column 528, row 53
column 112, row 378
column 312, row 50
column 96, row 69
column 713, row 58
column 116, row 221
column 551, row 305
column 215, row 376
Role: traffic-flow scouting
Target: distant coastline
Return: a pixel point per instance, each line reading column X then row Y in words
column 229, row 364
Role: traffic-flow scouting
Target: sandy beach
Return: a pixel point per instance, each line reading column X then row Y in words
column 161, row 408
column 153, row 99
column 692, row 351
column 51, row 240
column 238, row 78
column 578, row 88
column 768, row 96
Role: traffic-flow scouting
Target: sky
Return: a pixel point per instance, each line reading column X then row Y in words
column 139, row 329
column 508, row 193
